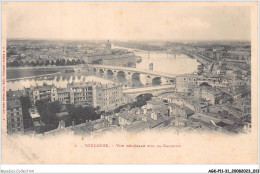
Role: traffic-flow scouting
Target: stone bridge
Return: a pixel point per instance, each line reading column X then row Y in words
column 147, row 77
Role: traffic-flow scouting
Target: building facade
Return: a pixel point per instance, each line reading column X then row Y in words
column 14, row 116
column 106, row 96
column 83, row 93
column 109, row 96
column 60, row 94
column 42, row 93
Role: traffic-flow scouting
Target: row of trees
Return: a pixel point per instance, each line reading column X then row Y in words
column 98, row 61
column 141, row 100
column 79, row 114
column 58, row 62
column 76, row 114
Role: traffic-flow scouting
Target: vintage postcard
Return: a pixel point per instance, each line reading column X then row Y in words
column 129, row 83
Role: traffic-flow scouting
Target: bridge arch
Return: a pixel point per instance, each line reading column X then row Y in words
column 101, row 71
column 110, row 72
column 136, row 80
column 172, row 81
column 136, row 75
column 156, row 81
column 121, row 76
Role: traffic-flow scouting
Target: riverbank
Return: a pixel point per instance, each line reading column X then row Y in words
column 43, row 67
column 31, row 77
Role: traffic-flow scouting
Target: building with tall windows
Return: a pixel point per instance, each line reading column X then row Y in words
column 41, row 92
column 109, row 96
column 106, row 96
column 14, row 116
column 60, row 94
column 83, row 93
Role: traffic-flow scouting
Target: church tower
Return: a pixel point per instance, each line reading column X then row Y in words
column 108, row 46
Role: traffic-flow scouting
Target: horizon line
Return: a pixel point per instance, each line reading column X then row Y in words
column 127, row 40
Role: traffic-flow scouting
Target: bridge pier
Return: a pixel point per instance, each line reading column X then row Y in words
column 128, row 75
column 148, row 80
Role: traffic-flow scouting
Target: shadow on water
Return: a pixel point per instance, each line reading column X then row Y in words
column 79, row 76
column 135, row 81
column 58, row 77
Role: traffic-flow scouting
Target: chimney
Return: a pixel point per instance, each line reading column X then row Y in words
column 154, row 116
column 145, row 110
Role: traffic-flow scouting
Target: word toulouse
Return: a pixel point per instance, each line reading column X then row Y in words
column 96, row 145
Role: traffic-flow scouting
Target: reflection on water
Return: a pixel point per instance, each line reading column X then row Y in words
column 59, row 80
column 13, row 73
column 62, row 79
column 167, row 63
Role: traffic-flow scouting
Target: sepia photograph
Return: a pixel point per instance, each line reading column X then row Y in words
column 129, row 83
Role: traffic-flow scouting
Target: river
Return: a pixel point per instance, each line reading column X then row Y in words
column 162, row 62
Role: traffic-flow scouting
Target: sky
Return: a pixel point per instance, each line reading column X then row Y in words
column 170, row 21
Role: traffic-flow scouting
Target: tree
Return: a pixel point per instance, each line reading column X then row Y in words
column 57, row 63
column 32, row 63
column 11, row 52
column 78, row 62
column 205, row 84
column 81, row 114
column 47, row 63
column 62, row 62
column 27, row 63
column 145, row 97
column 55, row 107
column 68, row 62
column 73, row 62
column 15, row 63
column 48, row 113
column 141, row 100
column 20, row 63
column 90, row 113
column 26, row 104
column 36, row 63
column 98, row 61
column 42, row 107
